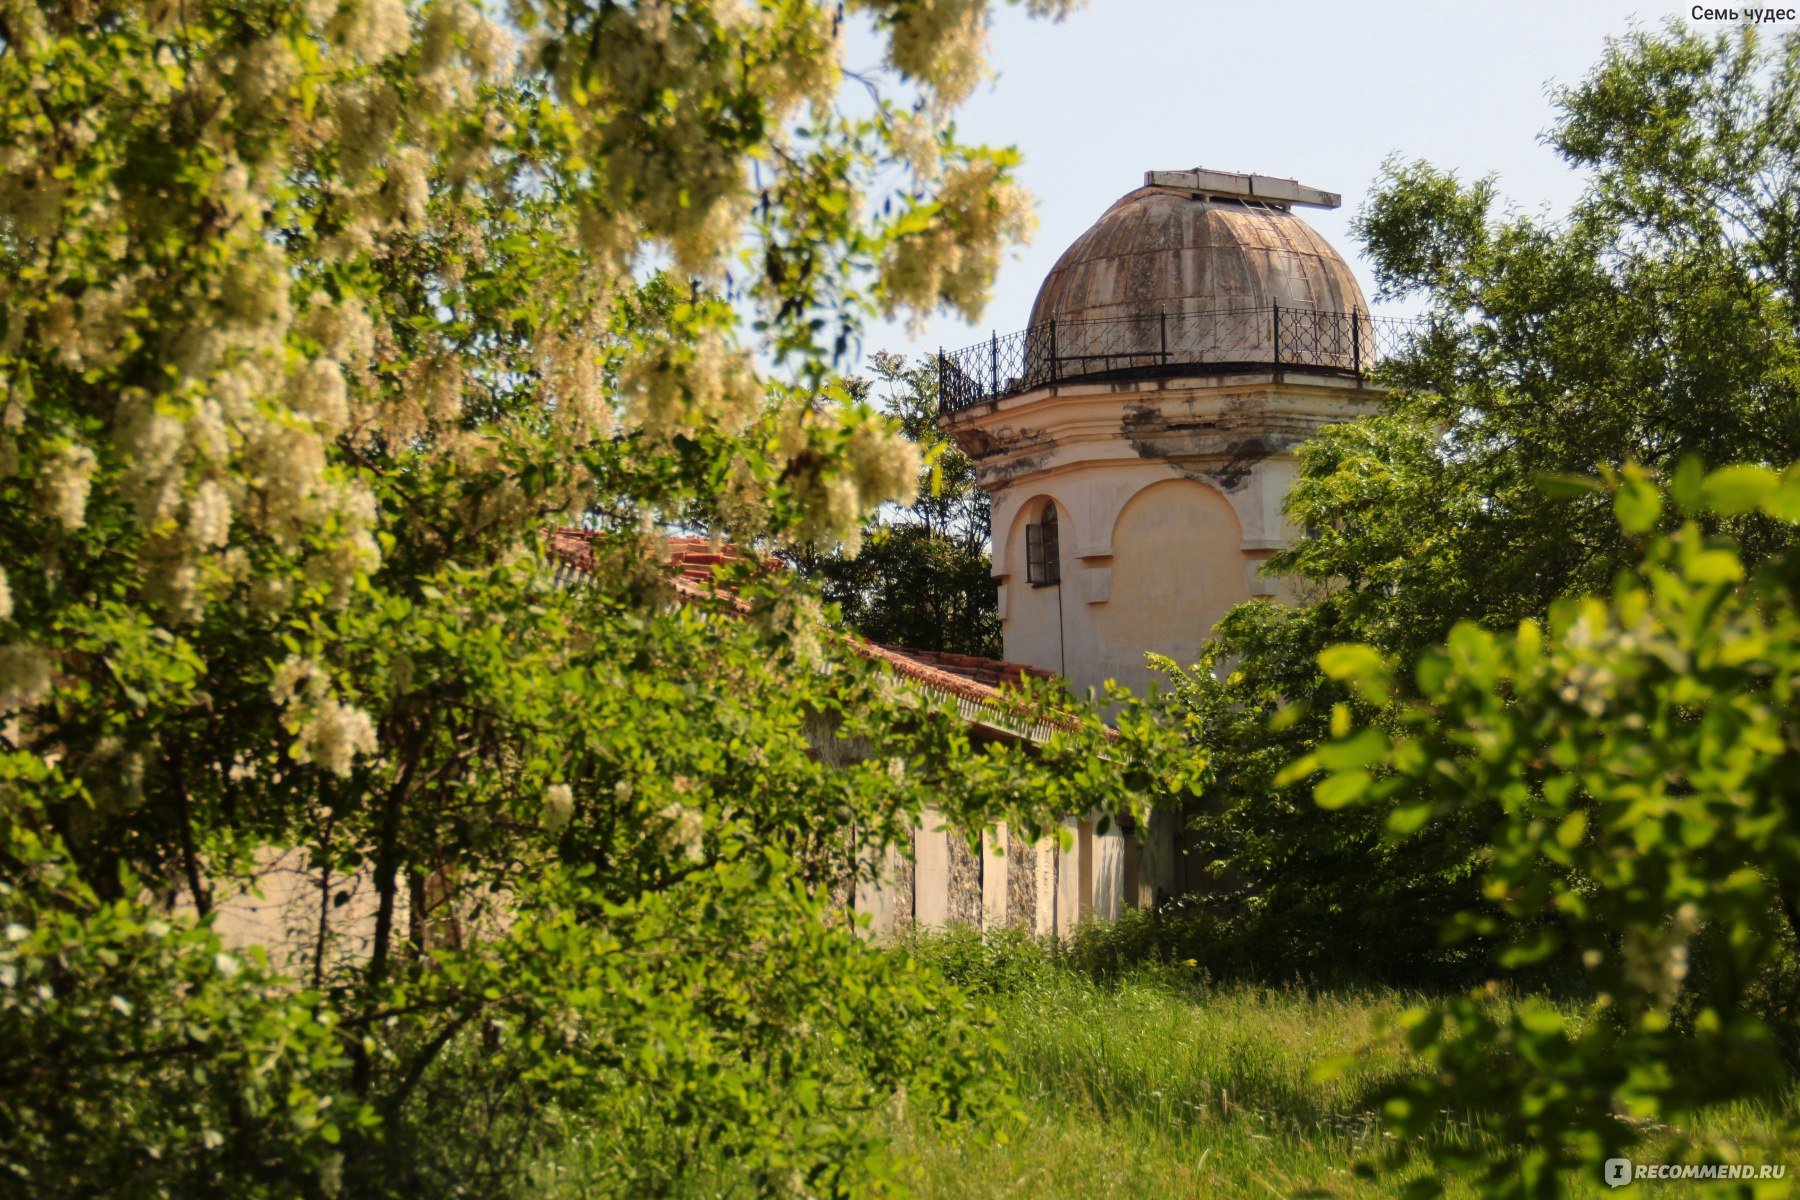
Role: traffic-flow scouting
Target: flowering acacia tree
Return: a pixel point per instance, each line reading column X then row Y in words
column 312, row 316
column 1634, row 763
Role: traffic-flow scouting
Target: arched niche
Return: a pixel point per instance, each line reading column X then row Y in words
column 1031, row 612
column 1177, row 567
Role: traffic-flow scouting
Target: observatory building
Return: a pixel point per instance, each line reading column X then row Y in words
column 1139, row 437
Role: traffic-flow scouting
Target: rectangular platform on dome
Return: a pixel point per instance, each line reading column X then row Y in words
column 1229, row 184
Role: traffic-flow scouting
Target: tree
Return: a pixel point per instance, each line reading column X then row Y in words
column 1639, row 752
column 314, row 317
column 921, row 575
column 1657, row 319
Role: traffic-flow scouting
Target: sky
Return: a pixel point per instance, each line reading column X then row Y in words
column 1316, row 90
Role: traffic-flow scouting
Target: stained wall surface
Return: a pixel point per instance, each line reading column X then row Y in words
column 1035, row 617
column 1149, row 564
column 1176, row 569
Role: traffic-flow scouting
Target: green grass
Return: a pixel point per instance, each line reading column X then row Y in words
column 1161, row 1084
column 1158, row 1086
column 1151, row 1083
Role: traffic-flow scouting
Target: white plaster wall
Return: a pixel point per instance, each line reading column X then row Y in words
column 881, row 895
column 1044, row 860
column 931, row 872
column 1068, row 879
column 996, row 856
column 1177, row 567
column 1151, row 559
column 1109, row 874
column 1034, row 618
column 1095, row 449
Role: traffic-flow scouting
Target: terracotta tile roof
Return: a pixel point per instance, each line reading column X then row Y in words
column 692, row 561
column 993, row 672
column 976, row 683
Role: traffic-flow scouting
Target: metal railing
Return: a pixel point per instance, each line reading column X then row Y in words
column 1170, row 343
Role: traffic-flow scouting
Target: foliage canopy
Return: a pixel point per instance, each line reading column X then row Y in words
column 1657, row 319
column 1638, row 754
column 313, row 316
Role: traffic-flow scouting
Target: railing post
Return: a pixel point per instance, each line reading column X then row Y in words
column 1055, row 369
column 1356, row 344
column 1276, row 307
column 1162, row 318
column 994, row 368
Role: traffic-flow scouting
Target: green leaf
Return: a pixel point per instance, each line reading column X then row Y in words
column 1351, row 661
column 1534, row 949
column 1535, row 1016
column 1328, row 1069
column 1685, row 483
column 1343, row 789
column 1715, row 566
column 1361, row 667
column 1637, row 504
column 1365, row 748
column 1408, row 819
column 1740, row 489
column 1426, row 1029
column 1568, row 487
column 1784, row 502
column 1572, row 829
column 1297, row 770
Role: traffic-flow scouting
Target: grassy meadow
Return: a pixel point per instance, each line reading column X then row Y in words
column 1163, row 1083
column 1150, row 1081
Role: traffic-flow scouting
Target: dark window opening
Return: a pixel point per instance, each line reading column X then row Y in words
column 1043, row 556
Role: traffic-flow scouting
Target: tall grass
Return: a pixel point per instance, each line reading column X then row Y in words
column 1155, row 1081
column 1158, row 1082
column 1145, row 1081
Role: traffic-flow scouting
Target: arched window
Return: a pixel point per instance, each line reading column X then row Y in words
column 1043, row 557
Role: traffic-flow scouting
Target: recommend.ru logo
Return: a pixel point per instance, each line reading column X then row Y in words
column 1620, row 1171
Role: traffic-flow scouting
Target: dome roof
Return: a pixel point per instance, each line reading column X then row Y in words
column 1164, row 250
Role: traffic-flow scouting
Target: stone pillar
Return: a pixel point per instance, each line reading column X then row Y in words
column 965, row 880
column 1107, row 900
column 1043, row 917
column 881, row 887
column 931, row 872
column 996, row 863
column 1069, row 871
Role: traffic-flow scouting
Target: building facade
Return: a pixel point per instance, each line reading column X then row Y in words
column 1138, row 439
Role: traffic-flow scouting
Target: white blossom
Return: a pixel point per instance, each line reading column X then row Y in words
column 69, row 476
column 559, row 806
column 372, row 29
column 682, row 831
column 333, row 735
column 327, row 732
column 492, row 51
column 265, row 71
column 24, row 676
column 209, row 515
column 317, row 391
column 408, row 185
